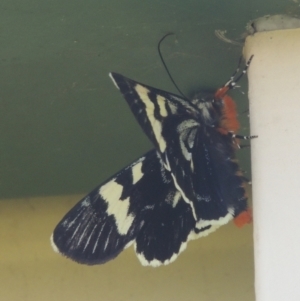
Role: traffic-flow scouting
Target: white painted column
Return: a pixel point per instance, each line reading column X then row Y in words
column 274, row 93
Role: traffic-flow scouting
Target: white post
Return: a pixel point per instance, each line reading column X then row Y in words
column 274, row 93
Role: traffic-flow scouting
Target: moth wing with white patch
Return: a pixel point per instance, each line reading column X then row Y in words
column 201, row 160
column 138, row 205
column 100, row 226
column 152, row 108
column 170, row 122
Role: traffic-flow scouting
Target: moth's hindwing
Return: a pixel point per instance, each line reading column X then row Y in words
column 138, row 205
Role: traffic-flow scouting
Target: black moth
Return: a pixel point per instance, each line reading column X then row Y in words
column 185, row 188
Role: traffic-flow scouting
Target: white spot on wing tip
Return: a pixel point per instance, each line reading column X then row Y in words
column 113, row 80
column 53, row 245
column 155, row 262
column 214, row 225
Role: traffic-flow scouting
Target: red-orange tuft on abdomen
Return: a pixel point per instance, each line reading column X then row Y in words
column 243, row 218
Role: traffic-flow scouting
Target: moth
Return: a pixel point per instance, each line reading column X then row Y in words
column 189, row 185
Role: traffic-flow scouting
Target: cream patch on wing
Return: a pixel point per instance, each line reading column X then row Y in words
column 150, row 107
column 214, row 225
column 111, row 193
column 137, row 173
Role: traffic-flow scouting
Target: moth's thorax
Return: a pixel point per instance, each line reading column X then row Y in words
column 217, row 110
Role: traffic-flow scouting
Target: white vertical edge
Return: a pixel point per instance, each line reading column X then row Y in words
column 274, row 94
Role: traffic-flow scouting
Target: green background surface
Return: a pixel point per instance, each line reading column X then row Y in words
column 64, row 128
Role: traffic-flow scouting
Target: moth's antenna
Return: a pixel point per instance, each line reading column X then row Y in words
column 165, row 66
